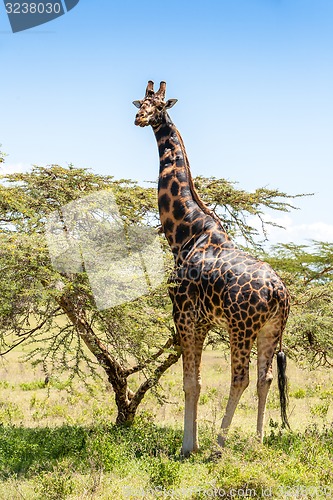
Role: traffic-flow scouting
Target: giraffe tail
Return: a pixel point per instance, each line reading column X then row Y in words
column 283, row 387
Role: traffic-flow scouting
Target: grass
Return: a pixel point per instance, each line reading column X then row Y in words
column 61, row 443
column 108, row 462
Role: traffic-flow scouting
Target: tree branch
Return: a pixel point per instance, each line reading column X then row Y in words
column 169, row 343
column 28, row 334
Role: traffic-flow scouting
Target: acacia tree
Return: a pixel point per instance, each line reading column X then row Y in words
column 55, row 311
column 308, row 273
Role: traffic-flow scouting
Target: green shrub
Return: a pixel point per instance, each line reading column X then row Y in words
column 56, row 484
column 9, row 412
column 32, row 386
column 145, row 437
column 298, row 394
column 164, row 473
column 30, row 451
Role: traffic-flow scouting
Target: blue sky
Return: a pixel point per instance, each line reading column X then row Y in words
column 254, row 80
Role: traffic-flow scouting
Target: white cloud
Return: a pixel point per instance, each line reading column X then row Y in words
column 7, row 168
column 317, row 231
column 296, row 233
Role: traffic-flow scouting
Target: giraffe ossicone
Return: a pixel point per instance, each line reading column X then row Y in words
column 214, row 282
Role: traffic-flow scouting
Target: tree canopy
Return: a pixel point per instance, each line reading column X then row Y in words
column 308, row 272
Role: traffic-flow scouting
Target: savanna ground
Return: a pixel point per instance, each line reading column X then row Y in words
column 59, row 442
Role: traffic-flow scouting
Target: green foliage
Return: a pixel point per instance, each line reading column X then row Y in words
column 31, row 287
column 40, row 305
column 144, row 438
column 56, row 484
column 299, row 394
column 164, row 473
column 55, row 458
column 144, row 456
column 31, row 451
column 32, row 386
column 311, row 263
column 9, row 412
column 2, row 156
column 235, row 205
column 308, row 273
column 313, row 447
column 320, row 410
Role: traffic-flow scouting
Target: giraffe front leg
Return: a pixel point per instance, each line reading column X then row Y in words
column 192, row 336
column 200, row 335
column 191, row 390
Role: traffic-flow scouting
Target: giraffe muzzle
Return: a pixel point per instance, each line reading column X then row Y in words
column 141, row 121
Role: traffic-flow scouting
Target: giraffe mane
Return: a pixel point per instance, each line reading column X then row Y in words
column 192, row 187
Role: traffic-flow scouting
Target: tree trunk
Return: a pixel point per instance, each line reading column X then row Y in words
column 127, row 401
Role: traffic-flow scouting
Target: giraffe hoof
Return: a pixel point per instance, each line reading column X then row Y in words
column 188, row 453
column 185, row 454
column 216, row 454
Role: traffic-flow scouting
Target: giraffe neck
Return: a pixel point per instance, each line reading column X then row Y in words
column 184, row 216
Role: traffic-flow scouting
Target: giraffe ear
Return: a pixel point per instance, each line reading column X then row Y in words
column 137, row 104
column 170, row 103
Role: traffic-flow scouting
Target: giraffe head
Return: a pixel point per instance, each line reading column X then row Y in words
column 152, row 108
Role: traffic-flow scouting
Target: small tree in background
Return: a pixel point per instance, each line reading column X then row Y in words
column 2, row 156
column 308, row 272
column 55, row 312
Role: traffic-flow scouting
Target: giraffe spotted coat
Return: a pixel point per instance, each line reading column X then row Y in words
column 214, row 282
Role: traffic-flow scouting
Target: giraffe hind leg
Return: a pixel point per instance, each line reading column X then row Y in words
column 266, row 344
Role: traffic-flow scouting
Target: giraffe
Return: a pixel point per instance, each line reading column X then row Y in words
column 213, row 283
